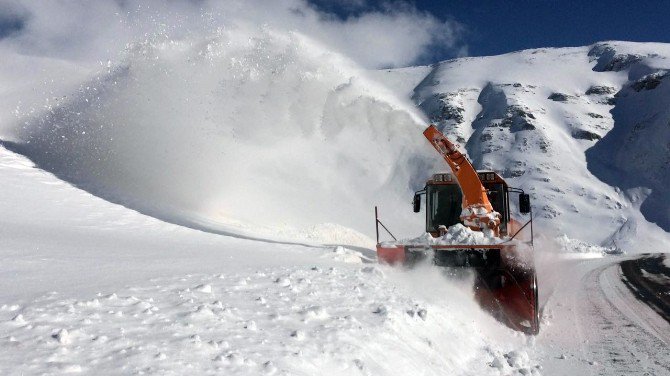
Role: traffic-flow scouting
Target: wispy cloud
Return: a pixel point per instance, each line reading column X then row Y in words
column 393, row 34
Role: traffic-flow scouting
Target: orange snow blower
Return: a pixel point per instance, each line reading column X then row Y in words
column 505, row 278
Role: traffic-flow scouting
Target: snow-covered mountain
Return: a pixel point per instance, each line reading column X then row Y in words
column 586, row 130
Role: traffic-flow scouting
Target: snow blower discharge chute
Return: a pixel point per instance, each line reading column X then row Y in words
column 505, row 279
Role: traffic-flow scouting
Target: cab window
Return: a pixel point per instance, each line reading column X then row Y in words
column 444, row 205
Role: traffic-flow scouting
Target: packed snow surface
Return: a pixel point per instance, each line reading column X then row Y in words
column 273, row 321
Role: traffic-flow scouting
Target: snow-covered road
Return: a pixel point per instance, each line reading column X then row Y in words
column 594, row 325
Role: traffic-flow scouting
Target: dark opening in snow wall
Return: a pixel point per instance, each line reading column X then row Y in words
column 263, row 134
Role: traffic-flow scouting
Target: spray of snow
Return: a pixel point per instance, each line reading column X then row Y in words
column 580, row 248
column 246, row 131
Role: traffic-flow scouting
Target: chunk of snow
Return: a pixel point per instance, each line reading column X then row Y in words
column 71, row 368
column 315, row 313
column 11, row 307
column 269, row 368
column 204, row 288
column 284, row 282
column 235, row 358
column 19, row 319
column 381, row 310
column 517, row 359
column 345, row 255
column 298, row 335
column 62, row 336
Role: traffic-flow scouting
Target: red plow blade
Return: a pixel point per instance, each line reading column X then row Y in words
column 505, row 286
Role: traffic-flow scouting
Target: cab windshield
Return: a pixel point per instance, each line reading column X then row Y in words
column 444, row 205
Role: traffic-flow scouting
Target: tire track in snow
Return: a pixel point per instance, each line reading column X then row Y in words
column 593, row 325
column 629, row 342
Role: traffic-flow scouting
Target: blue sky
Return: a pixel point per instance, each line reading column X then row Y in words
column 373, row 33
column 494, row 27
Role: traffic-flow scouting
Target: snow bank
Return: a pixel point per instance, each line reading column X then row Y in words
column 341, row 320
column 243, row 131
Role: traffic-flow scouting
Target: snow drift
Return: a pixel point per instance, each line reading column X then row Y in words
column 235, row 132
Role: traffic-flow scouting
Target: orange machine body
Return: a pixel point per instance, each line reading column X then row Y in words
column 505, row 278
column 478, row 212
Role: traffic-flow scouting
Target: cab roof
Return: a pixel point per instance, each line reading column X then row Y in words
column 486, row 176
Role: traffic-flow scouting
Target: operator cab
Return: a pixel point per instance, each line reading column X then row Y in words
column 444, row 200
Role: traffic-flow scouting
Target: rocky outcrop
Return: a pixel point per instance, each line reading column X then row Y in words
column 650, row 81
column 582, row 134
column 447, row 112
column 518, row 118
column 442, row 107
column 560, row 97
column 600, row 90
column 608, row 60
column 518, row 169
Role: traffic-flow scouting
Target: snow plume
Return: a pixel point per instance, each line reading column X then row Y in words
column 242, row 128
column 391, row 35
column 221, row 115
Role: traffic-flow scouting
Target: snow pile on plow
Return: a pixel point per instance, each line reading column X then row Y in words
column 457, row 234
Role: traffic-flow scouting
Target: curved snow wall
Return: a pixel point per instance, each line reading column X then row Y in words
column 239, row 132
